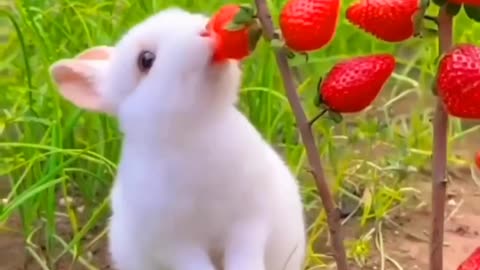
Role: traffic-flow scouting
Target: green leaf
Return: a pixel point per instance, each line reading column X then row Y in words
column 418, row 16
column 306, row 55
column 234, row 26
column 243, row 18
column 439, row 3
column 424, row 4
column 245, row 6
column 254, row 33
column 428, row 32
column 452, row 9
column 319, row 85
column 245, row 15
column 317, row 101
column 472, row 12
column 335, row 116
column 2, row 126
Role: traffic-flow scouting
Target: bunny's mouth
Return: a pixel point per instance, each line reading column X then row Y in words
column 217, row 43
column 205, row 33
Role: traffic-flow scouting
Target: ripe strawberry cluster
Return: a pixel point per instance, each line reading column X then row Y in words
column 352, row 85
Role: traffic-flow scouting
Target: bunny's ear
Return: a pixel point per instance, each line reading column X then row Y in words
column 96, row 53
column 82, row 80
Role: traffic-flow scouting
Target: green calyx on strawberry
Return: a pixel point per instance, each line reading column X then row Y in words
column 352, row 85
column 419, row 17
column 439, row 3
column 452, row 7
column 390, row 20
column 458, row 81
column 475, row 3
column 236, row 31
column 472, row 11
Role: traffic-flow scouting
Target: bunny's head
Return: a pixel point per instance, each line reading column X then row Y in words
column 160, row 71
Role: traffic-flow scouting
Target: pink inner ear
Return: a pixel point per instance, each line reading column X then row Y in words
column 96, row 53
column 77, row 84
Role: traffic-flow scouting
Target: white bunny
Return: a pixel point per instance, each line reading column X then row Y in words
column 197, row 187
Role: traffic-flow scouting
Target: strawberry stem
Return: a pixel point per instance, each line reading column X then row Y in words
column 319, row 84
column 439, row 164
column 311, row 122
column 332, row 211
column 306, row 55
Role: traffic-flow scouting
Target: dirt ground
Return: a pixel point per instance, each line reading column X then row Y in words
column 407, row 240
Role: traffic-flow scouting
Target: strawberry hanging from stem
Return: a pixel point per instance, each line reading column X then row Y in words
column 458, row 81
column 472, row 10
column 236, row 30
column 309, row 25
column 352, row 85
column 390, row 20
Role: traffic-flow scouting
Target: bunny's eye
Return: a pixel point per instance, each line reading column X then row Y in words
column 145, row 61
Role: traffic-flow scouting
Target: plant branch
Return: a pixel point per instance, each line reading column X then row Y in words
column 440, row 130
column 333, row 213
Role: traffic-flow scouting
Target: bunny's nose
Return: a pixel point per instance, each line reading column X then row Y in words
column 214, row 41
column 205, row 33
column 211, row 35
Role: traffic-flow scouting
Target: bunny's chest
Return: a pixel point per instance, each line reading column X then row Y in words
column 182, row 185
column 172, row 199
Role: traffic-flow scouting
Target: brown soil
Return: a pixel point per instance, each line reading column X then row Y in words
column 406, row 241
column 14, row 256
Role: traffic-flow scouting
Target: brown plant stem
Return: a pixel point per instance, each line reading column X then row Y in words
column 333, row 213
column 440, row 129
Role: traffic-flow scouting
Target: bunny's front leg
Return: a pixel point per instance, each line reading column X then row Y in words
column 192, row 258
column 246, row 246
column 125, row 251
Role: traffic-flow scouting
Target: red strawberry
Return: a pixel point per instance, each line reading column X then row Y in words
column 472, row 262
column 352, row 85
column 235, row 30
column 458, row 81
column 309, row 25
column 389, row 20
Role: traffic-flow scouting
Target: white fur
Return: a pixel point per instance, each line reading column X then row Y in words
column 197, row 188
